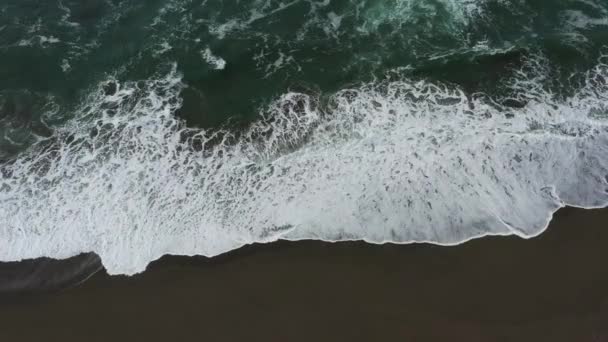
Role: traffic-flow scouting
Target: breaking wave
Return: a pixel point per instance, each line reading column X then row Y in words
column 396, row 160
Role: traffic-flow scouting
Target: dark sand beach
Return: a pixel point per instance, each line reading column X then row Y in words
column 551, row 288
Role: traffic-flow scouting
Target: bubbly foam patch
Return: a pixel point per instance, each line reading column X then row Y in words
column 400, row 161
column 216, row 62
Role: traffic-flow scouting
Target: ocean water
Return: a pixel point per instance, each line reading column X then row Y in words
column 137, row 129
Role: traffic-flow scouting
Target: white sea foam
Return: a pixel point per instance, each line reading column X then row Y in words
column 162, row 48
column 218, row 63
column 42, row 41
column 579, row 20
column 410, row 12
column 400, row 161
column 65, row 65
column 67, row 13
column 413, row 22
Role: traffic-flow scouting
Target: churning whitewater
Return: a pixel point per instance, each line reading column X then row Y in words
column 194, row 127
column 389, row 161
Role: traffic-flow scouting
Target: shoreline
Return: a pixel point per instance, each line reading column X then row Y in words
column 552, row 287
column 50, row 262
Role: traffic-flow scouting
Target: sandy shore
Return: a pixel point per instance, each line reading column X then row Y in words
column 552, row 288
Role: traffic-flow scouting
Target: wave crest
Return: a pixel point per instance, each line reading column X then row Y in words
column 390, row 161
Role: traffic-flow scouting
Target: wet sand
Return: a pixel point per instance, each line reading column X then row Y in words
column 551, row 288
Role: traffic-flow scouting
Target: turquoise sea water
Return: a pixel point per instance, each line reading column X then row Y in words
column 135, row 129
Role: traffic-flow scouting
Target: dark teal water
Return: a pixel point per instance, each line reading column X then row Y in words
column 62, row 48
column 426, row 103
